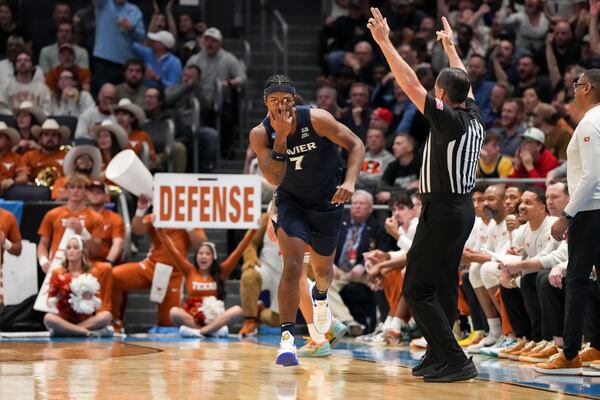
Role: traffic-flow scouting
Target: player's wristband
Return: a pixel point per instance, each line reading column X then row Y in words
column 7, row 244
column 278, row 156
column 43, row 260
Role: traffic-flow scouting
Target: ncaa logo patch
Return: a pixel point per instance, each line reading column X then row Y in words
column 587, row 138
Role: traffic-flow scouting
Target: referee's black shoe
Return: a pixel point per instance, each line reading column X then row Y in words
column 427, row 365
column 453, row 372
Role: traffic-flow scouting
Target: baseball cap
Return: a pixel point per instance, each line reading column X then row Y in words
column 214, row 33
column 97, row 184
column 534, row 134
column 384, row 114
column 66, row 46
column 164, row 37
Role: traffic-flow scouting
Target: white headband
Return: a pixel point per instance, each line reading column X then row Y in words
column 213, row 248
column 79, row 240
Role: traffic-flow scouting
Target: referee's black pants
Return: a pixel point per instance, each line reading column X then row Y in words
column 431, row 279
column 584, row 252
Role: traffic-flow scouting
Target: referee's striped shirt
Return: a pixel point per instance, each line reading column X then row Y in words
column 451, row 153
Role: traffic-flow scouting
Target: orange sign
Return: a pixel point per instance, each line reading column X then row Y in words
column 207, row 201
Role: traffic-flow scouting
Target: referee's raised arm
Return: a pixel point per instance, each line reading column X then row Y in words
column 403, row 73
column 446, row 37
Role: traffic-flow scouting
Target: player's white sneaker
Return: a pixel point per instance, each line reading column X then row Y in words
column 286, row 355
column 322, row 318
column 188, row 332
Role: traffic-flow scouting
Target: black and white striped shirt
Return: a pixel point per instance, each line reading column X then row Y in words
column 451, row 153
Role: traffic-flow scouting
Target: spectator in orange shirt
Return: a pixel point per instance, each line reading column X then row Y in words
column 66, row 58
column 111, row 140
column 113, row 226
column 139, row 275
column 83, row 159
column 9, row 160
column 78, row 316
column 10, row 240
column 27, row 115
column 74, row 215
column 130, row 117
column 49, row 136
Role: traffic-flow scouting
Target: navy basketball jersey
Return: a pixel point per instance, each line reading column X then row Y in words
column 314, row 166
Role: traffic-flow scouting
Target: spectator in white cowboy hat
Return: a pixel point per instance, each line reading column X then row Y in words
column 27, row 115
column 107, row 100
column 9, row 160
column 84, row 158
column 111, row 140
column 163, row 68
column 49, row 136
column 131, row 117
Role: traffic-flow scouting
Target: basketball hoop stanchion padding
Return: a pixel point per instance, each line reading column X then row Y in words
column 130, row 173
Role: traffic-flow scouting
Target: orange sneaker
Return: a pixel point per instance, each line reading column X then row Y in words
column 540, row 356
column 515, row 347
column 250, row 328
column 514, row 355
column 559, row 365
column 589, row 355
column 538, row 347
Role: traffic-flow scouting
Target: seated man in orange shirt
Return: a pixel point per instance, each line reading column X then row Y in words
column 113, row 226
column 49, row 136
column 9, row 160
column 66, row 57
column 10, row 240
column 139, row 275
column 74, row 215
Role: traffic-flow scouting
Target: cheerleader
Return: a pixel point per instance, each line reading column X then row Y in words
column 75, row 290
column 204, row 311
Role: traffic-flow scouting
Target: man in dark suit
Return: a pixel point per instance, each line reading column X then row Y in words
column 360, row 232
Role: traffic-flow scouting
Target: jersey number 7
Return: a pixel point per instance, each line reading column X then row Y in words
column 297, row 161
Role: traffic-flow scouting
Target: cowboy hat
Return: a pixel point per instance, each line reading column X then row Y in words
column 11, row 133
column 52, row 126
column 36, row 112
column 134, row 109
column 75, row 152
column 109, row 125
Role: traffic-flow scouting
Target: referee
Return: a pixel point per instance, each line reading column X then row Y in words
column 450, row 161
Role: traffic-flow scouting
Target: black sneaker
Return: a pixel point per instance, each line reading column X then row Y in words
column 427, row 364
column 453, row 372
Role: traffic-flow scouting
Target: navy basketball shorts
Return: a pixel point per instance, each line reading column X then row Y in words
column 317, row 224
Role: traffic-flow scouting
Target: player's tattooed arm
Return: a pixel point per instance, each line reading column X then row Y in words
column 272, row 170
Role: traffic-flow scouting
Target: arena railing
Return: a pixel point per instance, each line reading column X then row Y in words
column 280, row 42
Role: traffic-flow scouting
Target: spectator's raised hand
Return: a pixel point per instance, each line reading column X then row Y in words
column 125, row 25
column 379, row 27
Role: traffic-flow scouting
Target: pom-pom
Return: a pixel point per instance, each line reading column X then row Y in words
column 212, row 308
column 83, row 297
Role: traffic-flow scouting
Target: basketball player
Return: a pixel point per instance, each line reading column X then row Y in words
column 297, row 152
